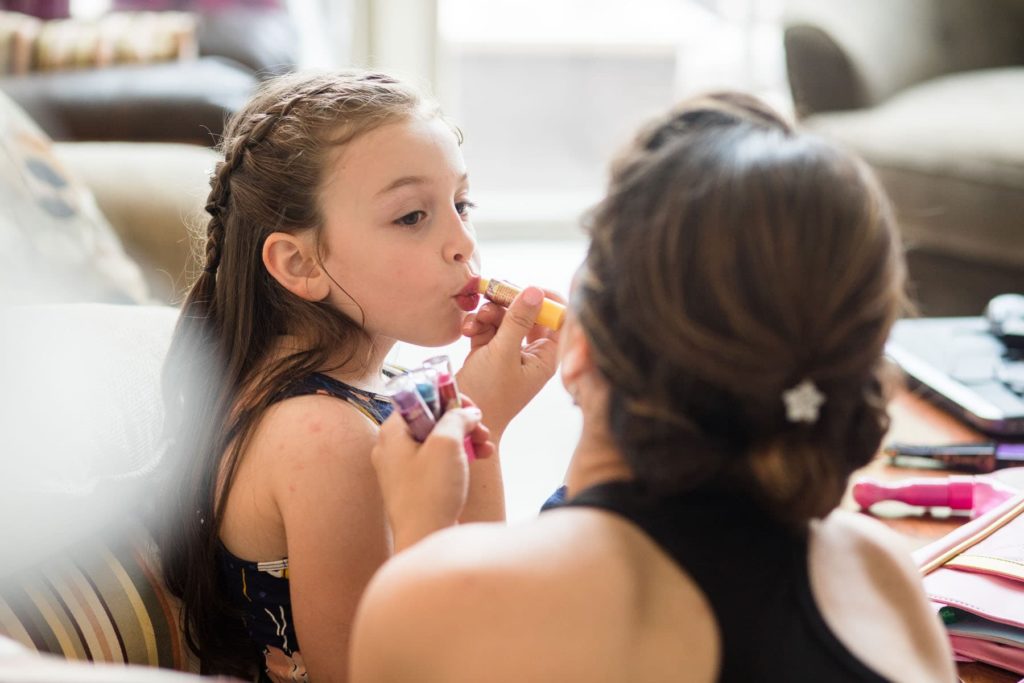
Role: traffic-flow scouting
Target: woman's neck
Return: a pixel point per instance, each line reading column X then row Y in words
column 596, row 460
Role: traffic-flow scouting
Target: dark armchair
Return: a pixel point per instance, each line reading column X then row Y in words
column 931, row 93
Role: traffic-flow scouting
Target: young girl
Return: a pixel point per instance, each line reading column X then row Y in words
column 724, row 345
column 339, row 225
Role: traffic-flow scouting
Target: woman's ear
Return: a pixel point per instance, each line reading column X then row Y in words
column 291, row 260
column 575, row 353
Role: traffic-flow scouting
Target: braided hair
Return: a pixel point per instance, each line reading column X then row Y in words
column 732, row 258
column 220, row 374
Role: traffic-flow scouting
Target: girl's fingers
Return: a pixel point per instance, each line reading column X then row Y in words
column 490, row 313
column 481, row 438
column 482, row 338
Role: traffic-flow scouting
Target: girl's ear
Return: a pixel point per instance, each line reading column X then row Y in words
column 291, row 260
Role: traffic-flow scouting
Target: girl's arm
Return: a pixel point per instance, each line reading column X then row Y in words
column 326, row 492
column 501, row 375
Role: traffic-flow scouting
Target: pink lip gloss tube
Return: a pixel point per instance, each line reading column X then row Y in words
column 958, row 492
column 448, row 393
column 411, row 406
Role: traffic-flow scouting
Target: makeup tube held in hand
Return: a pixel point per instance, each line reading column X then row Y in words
column 448, row 393
column 426, row 384
column 411, row 406
column 552, row 313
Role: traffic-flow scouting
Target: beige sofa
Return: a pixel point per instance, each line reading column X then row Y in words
column 931, row 92
column 153, row 195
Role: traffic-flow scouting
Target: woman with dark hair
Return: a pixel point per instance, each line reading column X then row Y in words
column 724, row 345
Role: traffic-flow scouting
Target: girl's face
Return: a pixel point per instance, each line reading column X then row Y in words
column 399, row 242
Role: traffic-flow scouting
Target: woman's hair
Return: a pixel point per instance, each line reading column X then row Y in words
column 223, row 370
column 732, row 259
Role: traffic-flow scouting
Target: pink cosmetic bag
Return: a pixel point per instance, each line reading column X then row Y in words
column 975, row 578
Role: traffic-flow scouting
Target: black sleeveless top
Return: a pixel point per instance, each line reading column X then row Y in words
column 753, row 572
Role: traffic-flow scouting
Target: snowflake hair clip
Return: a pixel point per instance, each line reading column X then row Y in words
column 803, row 402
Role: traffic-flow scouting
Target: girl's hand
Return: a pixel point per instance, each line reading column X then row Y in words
column 501, row 373
column 425, row 485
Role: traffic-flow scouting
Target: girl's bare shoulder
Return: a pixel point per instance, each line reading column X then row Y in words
column 305, row 429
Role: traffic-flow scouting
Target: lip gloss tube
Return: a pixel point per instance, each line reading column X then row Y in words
column 411, row 406
column 958, row 492
column 552, row 313
column 426, row 384
column 448, row 393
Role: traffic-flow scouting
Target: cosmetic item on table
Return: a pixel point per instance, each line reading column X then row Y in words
column 410, row 404
column 552, row 313
column 968, row 457
column 448, row 393
column 957, row 492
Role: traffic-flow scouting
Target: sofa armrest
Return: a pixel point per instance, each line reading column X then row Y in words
column 185, row 101
column 153, row 194
column 845, row 55
column 851, row 55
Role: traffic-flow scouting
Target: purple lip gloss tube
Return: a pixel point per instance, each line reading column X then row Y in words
column 411, row 406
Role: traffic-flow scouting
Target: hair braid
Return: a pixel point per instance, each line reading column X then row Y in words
column 220, row 184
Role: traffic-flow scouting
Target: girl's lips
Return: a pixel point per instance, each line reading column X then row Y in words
column 467, row 302
column 468, row 299
column 471, row 286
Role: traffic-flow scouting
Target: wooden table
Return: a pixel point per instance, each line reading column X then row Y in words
column 914, row 420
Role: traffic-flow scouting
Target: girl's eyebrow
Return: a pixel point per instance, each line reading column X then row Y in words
column 412, row 180
column 402, row 182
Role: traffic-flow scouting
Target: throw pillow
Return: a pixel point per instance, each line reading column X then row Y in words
column 99, row 601
column 55, row 245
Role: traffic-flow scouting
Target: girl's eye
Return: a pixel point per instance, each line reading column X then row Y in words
column 411, row 218
column 464, row 207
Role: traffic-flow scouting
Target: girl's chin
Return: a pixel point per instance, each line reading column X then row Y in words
column 441, row 337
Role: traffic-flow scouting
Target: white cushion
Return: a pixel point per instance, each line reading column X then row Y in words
column 81, row 416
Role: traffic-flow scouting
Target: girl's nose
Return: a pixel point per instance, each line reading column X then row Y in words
column 461, row 246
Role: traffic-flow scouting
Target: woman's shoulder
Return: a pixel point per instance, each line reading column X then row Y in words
column 857, row 529
column 556, row 545
column 518, row 590
column 871, row 596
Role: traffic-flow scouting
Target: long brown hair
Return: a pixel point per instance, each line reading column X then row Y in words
column 733, row 258
column 220, row 377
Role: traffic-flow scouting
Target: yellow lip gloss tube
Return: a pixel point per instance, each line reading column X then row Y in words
column 552, row 313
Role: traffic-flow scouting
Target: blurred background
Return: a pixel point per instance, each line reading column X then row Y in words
column 110, row 109
column 930, row 91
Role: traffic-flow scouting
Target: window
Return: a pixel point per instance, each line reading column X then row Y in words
column 547, row 90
